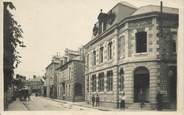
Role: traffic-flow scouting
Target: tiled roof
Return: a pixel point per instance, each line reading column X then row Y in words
column 154, row 8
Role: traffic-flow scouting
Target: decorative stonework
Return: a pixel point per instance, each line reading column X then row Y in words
column 140, row 24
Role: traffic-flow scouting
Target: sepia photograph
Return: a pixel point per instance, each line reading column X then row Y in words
column 99, row 55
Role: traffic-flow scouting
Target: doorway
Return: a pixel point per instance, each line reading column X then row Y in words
column 141, row 84
column 172, row 83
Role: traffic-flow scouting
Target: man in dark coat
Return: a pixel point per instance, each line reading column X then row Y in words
column 159, row 101
column 141, row 98
column 93, row 100
column 97, row 100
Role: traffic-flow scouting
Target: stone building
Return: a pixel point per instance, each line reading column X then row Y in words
column 35, row 83
column 50, row 75
column 132, row 50
column 70, row 77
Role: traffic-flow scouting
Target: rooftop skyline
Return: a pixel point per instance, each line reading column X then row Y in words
column 51, row 26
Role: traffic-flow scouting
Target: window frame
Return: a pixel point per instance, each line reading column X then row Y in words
column 101, row 82
column 94, row 57
column 110, row 50
column 109, row 80
column 139, row 44
column 93, row 79
column 101, row 54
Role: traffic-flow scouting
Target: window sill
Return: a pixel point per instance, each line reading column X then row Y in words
column 109, row 92
column 101, row 92
column 140, row 54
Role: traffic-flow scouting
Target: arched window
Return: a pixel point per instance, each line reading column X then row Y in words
column 78, row 89
column 141, row 84
column 141, row 42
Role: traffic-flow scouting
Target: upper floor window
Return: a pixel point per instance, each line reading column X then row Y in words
column 69, row 73
column 101, row 82
column 93, row 79
column 94, row 57
column 87, row 83
column 87, row 60
column 110, row 50
column 101, row 54
column 173, row 42
column 109, row 80
column 141, row 42
column 121, row 46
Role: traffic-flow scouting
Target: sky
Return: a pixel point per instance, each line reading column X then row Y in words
column 50, row 26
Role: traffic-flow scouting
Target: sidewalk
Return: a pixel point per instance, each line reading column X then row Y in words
column 84, row 104
column 16, row 106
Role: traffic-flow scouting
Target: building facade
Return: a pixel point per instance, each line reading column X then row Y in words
column 132, row 50
column 50, row 77
column 70, row 77
column 36, row 83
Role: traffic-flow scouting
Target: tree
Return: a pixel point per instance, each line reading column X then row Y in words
column 12, row 38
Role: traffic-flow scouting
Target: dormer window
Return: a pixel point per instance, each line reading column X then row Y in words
column 111, row 17
column 95, row 30
column 102, row 19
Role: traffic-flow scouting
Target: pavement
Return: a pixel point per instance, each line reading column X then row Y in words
column 47, row 104
column 83, row 104
column 43, row 104
column 17, row 106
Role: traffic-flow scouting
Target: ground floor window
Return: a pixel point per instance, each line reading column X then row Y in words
column 93, row 79
column 109, row 80
column 121, row 80
column 101, row 82
column 78, row 89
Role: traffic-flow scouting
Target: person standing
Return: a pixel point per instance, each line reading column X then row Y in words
column 93, row 100
column 29, row 94
column 141, row 98
column 122, row 103
column 159, row 101
column 97, row 101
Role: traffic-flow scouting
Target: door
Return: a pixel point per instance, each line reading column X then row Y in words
column 141, row 84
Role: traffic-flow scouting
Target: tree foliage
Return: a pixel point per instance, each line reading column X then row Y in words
column 12, row 39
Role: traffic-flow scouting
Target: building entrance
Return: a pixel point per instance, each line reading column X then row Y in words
column 172, row 83
column 141, row 84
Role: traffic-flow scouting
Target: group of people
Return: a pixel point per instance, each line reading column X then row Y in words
column 96, row 100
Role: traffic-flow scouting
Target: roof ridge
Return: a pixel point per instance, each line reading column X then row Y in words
column 128, row 4
column 157, row 6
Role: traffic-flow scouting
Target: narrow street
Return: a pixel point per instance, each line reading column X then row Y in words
column 43, row 104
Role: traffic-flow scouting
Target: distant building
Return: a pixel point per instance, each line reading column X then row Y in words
column 70, row 77
column 50, row 76
column 20, row 81
column 35, row 83
column 129, row 53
